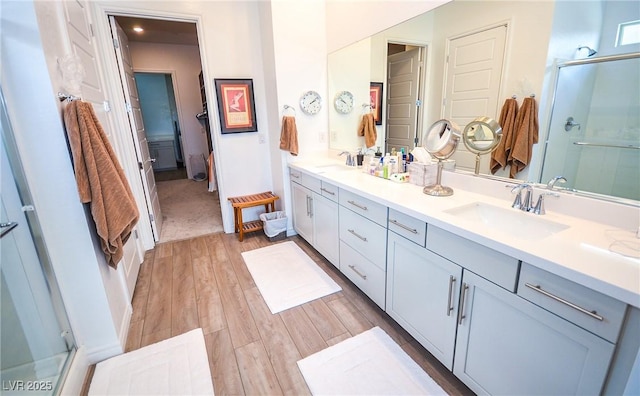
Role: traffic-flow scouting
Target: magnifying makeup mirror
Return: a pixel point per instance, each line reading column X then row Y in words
column 440, row 140
column 481, row 136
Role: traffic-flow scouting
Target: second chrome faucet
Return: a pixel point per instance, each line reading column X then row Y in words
column 526, row 203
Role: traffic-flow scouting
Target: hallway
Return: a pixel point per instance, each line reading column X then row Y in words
column 203, row 282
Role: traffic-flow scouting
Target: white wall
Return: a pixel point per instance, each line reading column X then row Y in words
column 184, row 61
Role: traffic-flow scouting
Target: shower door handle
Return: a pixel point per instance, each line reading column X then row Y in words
column 7, row 227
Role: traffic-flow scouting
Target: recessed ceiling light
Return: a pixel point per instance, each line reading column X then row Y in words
column 138, row 29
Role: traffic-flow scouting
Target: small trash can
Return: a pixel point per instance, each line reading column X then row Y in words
column 274, row 225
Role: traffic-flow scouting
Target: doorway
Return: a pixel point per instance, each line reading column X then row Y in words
column 166, row 62
column 405, row 90
column 161, row 124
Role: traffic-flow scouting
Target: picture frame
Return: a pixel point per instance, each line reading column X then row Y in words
column 236, row 105
column 375, row 97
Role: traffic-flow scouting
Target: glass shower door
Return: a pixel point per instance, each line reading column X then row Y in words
column 36, row 344
column 594, row 132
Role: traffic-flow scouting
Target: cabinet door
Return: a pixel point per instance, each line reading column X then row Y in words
column 325, row 220
column 302, row 209
column 422, row 295
column 507, row 345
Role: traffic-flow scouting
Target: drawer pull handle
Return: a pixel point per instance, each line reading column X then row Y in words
column 358, row 205
column 537, row 288
column 359, row 236
column 396, row 222
column 327, row 191
column 452, row 281
column 463, row 297
column 353, row 267
column 295, row 175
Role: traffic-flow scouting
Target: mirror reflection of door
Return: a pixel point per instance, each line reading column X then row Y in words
column 473, row 79
column 404, row 69
column 162, row 126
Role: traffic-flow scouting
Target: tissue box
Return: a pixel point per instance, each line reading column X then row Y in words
column 422, row 174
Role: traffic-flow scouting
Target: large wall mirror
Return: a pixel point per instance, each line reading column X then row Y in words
column 465, row 58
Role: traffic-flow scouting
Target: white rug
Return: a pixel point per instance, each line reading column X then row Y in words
column 370, row 363
column 177, row 366
column 286, row 276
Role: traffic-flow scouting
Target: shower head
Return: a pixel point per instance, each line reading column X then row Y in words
column 592, row 52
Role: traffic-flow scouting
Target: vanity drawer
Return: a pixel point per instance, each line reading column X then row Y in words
column 365, row 236
column 310, row 182
column 491, row 265
column 329, row 190
column 365, row 207
column 589, row 309
column 364, row 274
column 409, row 227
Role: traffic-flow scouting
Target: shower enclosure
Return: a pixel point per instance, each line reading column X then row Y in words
column 594, row 131
column 36, row 344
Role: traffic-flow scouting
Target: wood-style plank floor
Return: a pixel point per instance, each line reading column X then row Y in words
column 203, row 282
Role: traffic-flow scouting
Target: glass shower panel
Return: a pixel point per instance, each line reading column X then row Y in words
column 594, row 134
column 36, row 344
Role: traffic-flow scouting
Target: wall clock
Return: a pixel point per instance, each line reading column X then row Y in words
column 343, row 102
column 311, row 102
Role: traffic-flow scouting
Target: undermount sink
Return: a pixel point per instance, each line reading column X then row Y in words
column 514, row 222
column 333, row 168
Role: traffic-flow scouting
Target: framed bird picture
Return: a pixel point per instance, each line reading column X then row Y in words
column 236, row 105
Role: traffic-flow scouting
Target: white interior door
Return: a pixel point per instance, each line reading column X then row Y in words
column 403, row 82
column 81, row 40
column 473, row 78
column 137, row 126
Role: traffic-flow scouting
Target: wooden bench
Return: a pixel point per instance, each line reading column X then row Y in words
column 268, row 199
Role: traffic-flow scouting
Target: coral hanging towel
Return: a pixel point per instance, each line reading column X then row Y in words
column 507, row 121
column 289, row 135
column 101, row 180
column 526, row 135
column 367, row 128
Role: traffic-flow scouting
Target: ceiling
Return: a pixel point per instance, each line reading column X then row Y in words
column 159, row 31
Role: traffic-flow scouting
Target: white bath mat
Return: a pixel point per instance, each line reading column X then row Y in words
column 177, row 366
column 370, row 363
column 286, row 276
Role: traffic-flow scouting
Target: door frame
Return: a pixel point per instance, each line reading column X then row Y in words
column 100, row 18
column 423, row 82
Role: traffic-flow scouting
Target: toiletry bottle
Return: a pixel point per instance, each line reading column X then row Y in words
column 393, row 164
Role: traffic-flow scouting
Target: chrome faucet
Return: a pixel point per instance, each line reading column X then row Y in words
column 539, row 208
column 557, row 179
column 525, row 204
column 349, row 161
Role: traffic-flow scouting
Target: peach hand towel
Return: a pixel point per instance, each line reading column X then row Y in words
column 289, row 135
column 507, row 121
column 101, row 180
column 526, row 135
column 367, row 128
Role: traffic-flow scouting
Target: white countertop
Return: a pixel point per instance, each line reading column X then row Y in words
column 579, row 253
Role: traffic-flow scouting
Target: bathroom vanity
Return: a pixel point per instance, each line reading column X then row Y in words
column 511, row 302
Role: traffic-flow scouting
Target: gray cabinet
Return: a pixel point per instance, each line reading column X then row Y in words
column 315, row 217
column 363, row 244
column 507, row 345
column 325, row 220
column 422, row 295
column 302, row 199
column 164, row 154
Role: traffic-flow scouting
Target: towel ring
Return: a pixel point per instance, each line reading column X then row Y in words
column 69, row 98
column 287, row 107
column 364, row 106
